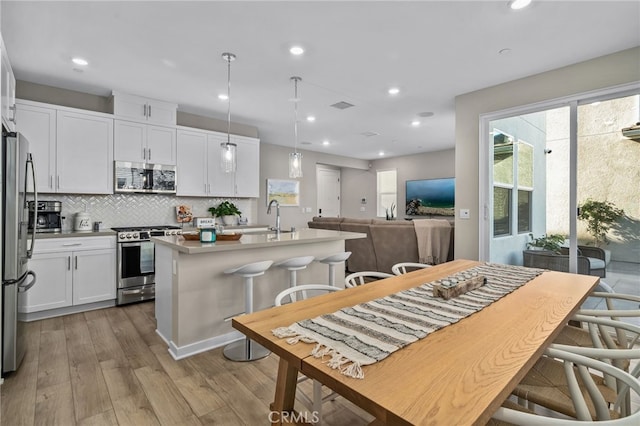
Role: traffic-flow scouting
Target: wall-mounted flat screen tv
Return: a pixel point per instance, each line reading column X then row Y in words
column 430, row 197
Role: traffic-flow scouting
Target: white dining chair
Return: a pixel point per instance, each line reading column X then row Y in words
column 575, row 363
column 363, row 277
column 313, row 403
column 545, row 384
column 401, row 268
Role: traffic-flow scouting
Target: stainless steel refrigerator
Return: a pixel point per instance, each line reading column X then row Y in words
column 18, row 188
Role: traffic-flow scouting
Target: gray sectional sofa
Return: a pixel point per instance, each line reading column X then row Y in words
column 388, row 242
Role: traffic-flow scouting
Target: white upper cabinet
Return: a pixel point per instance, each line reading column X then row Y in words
column 191, row 170
column 144, row 109
column 144, row 143
column 199, row 172
column 84, row 153
column 72, row 149
column 8, row 91
column 38, row 125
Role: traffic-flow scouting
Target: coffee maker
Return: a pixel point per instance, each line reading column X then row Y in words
column 48, row 217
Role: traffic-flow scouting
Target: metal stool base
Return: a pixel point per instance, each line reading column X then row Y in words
column 245, row 350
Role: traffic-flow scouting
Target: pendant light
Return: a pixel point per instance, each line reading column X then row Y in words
column 295, row 158
column 228, row 156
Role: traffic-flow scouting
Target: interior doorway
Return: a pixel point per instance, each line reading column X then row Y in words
column 328, row 190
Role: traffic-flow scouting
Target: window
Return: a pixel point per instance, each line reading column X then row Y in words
column 387, row 192
column 525, row 186
column 502, row 182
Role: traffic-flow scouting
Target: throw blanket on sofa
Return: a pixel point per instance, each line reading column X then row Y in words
column 369, row 332
column 433, row 237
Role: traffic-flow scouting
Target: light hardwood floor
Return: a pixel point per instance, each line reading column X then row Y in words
column 109, row 367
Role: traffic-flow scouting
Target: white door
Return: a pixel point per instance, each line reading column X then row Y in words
column 161, row 145
column 84, row 153
column 38, row 125
column 129, row 141
column 94, row 276
column 53, row 289
column 192, row 163
column 328, row 182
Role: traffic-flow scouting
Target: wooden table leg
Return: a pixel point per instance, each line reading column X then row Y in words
column 284, row 400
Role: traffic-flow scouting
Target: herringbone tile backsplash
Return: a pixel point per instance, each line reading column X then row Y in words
column 139, row 209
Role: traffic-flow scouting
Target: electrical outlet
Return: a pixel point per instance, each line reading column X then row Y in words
column 465, row 214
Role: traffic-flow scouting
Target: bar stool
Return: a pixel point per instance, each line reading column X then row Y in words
column 332, row 261
column 246, row 349
column 293, row 265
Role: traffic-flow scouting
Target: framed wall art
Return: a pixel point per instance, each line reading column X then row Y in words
column 286, row 192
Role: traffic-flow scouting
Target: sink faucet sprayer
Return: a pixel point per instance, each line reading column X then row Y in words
column 277, row 227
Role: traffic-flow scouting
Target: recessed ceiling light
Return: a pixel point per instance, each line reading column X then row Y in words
column 394, row 91
column 381, row 153
column 519, row 4
column 325, row 143
column 415, row 123
column 311, row 118
column 296, row 50
column 223, row 96
column 80, row 61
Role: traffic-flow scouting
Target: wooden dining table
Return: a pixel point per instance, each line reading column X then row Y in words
column 458, row 375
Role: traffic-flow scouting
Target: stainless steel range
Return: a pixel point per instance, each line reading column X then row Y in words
column 136, row 261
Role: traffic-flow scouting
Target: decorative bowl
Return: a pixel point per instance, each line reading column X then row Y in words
column 229, row 237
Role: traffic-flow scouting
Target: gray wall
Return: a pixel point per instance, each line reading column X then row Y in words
column 606, row 71
column 274, row 164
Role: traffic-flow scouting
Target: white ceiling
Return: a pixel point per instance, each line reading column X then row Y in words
column 355, row 51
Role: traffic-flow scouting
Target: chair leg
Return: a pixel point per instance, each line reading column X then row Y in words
column 317, row 401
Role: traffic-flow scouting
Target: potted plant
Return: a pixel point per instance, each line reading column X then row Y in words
column 227, row 211
column 551, row 242
column 599, row 215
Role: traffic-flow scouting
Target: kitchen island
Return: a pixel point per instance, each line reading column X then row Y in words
column 195, row 299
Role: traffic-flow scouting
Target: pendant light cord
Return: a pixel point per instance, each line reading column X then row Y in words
column 295, row 123
column 228, row 99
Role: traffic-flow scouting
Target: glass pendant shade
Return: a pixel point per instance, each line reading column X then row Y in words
column 228, row 157
column 295, row 158
column 295, row 165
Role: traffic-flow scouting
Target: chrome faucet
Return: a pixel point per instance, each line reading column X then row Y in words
column 277, row 227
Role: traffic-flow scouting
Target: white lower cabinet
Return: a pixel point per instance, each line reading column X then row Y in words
column 71, row 271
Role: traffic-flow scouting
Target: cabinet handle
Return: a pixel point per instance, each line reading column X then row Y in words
column 149, row 107
column 75, row 258
column 145, row 110
column 71, row 244
column 51, row 181
column 144, row 153
column 58, row 182
column 149, row 149
column 68, row 263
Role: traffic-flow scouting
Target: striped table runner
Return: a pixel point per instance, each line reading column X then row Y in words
column 369, row 332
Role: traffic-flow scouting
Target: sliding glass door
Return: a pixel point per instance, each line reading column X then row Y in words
column 542, row 162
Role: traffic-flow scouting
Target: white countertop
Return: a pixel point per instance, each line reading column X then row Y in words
column 257, row 240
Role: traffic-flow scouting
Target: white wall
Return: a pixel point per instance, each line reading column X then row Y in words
column 606, row 71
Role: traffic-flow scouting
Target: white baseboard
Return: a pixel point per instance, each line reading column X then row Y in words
column 50, row 313
column 201, row 346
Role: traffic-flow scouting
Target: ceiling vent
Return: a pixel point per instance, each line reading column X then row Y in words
column 369, row 134
column 342, row 105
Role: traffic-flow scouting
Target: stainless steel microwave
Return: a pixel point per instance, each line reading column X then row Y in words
column 144, row 177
